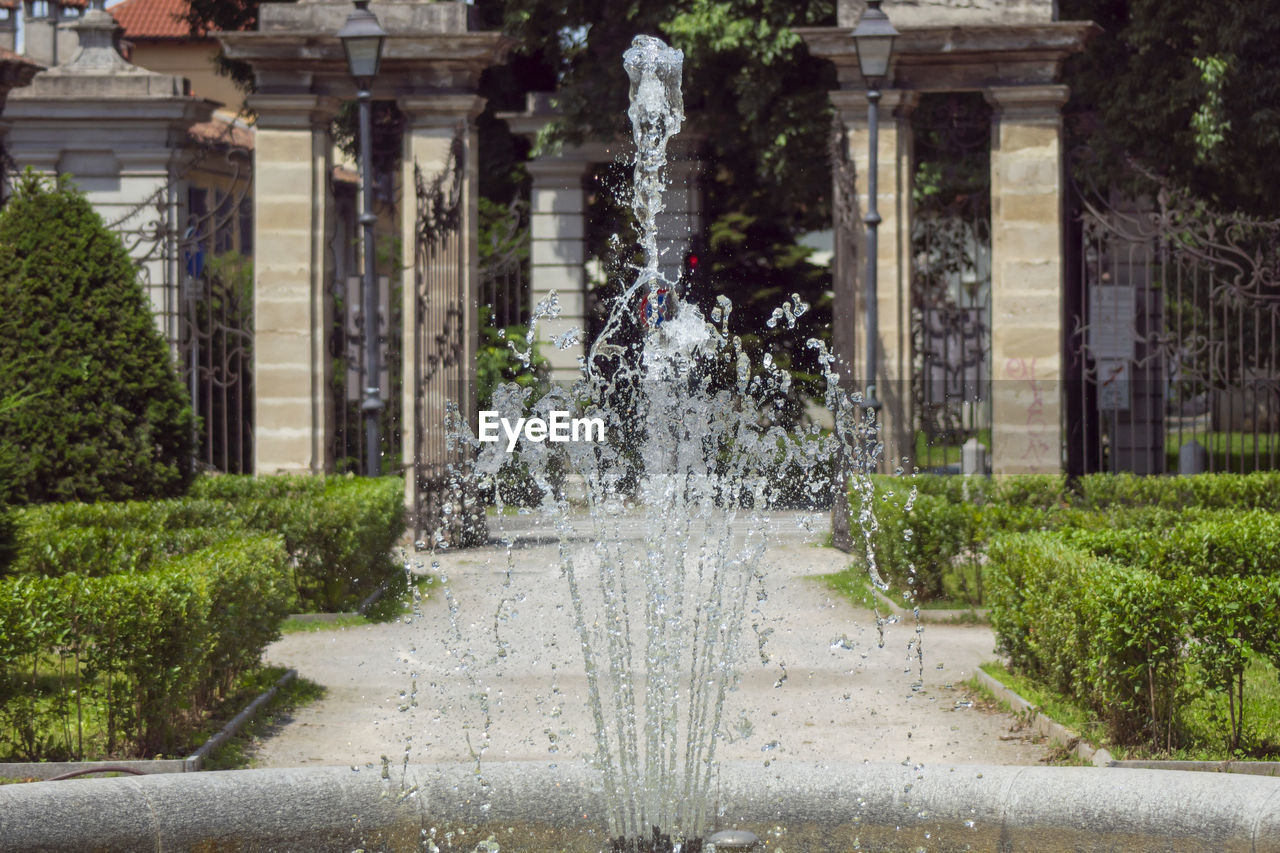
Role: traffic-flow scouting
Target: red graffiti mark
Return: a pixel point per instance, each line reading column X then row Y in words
column 1037, row 445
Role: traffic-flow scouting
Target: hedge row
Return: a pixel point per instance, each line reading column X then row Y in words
column 1136, row 625
column 931, row 532
column 154, row 647
column 339, row 531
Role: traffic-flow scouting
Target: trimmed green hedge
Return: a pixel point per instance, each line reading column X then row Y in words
column 937, row 548
column 339, row 531
column 931, row 531
column 154, row 648
column 1136, row 626
column 1259, row 490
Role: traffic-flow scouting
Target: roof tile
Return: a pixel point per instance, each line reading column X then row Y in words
column 152, row 19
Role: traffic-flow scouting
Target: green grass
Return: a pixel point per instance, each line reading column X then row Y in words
column 235, row 753
column 1059, row 708
column 391, row 606
column 856, row 587
column 937, row 455
column 1204, row 719
column 1230, row 451
column 294, row 625
column 853, row 584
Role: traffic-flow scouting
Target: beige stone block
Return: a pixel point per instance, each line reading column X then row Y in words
column 1016, row 136
column 282, row 454
column 272, row 383
column 284, row 219
column 557, row 200
column 1022, row 244
column 284, row 416
column 559, row 252
column 283, row 351
column 1027, row 308
column 1015, row 206
column 558, row 277
column 283, row 288
column 1025, row 351
column 1030, row 278
column 1011, row 173
column 277, row 180
column 557, row 226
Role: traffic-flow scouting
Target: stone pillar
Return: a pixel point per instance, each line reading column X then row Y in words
column 893, row 264
column 451, row 283
column 293, row 407
column 1026, row 278
column 681, row 219
column 557, row 208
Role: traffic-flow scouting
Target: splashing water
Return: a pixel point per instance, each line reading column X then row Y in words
column 695, row 457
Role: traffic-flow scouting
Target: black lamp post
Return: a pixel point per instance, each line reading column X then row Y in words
column 873, row 38
column 362, row 39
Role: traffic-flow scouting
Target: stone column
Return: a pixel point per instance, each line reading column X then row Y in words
column 293, row 407
column 1026, row 278
column 450, row 286
column 893, row 264
column 557, row 207
column 681, row 218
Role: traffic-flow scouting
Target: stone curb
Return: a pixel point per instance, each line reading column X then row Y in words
column 191, row 764
column 361, row 609
column 928, row 616
column 1041, row 724
column 1065, row 737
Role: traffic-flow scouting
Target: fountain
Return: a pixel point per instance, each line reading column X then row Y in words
column 659, row 631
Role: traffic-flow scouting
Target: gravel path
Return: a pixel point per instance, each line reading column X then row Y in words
column 522, row 697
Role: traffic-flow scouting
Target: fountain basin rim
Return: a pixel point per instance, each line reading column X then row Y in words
column 811, row 806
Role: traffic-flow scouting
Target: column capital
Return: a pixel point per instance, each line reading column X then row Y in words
column 434, row 111
column 851, row 104
column 282, row 112
column 1028, row 103
column 558, row 172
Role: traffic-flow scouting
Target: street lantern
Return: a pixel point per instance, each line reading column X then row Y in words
column 873, row 38
column 362, row 38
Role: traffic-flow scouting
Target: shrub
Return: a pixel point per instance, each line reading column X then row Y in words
column 1110, row 635
column 157, row 646
column 1259, row 490
column 105, row 416
column 339, row 531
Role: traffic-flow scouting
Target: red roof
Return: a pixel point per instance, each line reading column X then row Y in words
column 152, row 19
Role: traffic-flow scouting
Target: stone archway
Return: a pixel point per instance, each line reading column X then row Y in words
column 431, row 67
column 1012, row 52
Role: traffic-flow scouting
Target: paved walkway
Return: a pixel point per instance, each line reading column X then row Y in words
column 522, row 696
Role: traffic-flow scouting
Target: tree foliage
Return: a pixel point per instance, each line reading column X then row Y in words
column 101, row 413
column 1191, row 90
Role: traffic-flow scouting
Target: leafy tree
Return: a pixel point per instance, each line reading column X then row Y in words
column 1190, row 90
column 102, row 413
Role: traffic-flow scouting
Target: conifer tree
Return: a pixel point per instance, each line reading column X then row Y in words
column 102, row 413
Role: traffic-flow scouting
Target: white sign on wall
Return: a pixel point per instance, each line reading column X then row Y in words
column 1112, row 312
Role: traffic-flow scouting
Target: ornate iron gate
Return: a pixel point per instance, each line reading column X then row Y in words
column 191, row 242
column 1174, row 337
column 951, row 279
column 446, row 509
